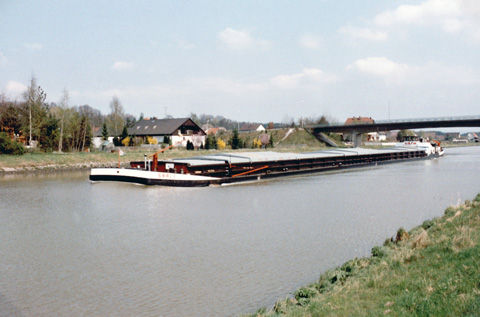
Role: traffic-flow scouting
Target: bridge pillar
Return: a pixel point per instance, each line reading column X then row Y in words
column 357, row 139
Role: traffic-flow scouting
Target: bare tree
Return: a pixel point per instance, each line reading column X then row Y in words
column 62, row 109
column 117, row 115
column 35, row 98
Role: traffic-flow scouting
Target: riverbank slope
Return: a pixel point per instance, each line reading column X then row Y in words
column 430, row 270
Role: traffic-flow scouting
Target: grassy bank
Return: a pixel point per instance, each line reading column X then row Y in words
column 432, row 270
column 65, row 160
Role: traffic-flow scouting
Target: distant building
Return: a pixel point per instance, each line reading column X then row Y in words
column 215, row 131
column 252, row 127
column 98, row 141
column 178, row 130
column 432, row 135
column 449, row 136
column 359, row 120
column 376, row 137
column 473, row 137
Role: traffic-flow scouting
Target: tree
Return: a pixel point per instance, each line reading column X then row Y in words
column 8, row 146
column 403, row 133
column 10, row 117
column 124, row 134
column 235, row 140
column 48, row 133
column 62, row 108
column 117, row 115
column 35, row 106
column 105, row 132
column 271, row 141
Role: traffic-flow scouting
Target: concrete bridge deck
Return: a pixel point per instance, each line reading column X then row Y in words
column 388, row 125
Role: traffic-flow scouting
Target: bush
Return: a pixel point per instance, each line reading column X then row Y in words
column 427, row 224
column 304, row 292
column 8, row 146
column 402, row 234
column 221, row 144
column 379, row 252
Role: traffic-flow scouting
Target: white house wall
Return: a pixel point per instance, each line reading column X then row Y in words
column 197, row 140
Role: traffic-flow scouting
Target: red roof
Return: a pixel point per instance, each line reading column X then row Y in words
column 212, row 131
column 359, row 120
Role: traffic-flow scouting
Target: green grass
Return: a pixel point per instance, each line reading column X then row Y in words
column 44, row 159
column 433, row 270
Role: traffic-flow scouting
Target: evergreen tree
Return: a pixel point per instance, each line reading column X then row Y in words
column 214, row 142
column 166, row 140
column 235, row 140
column 124, row 134
column 105, row 132
column 271, row 142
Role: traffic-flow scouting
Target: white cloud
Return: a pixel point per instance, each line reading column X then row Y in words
column 310, row 41
column 307, row 78
column 3, row 60
column 403, row 74
column 123, row 66
column 452, row 15
column 33, row 46
column 240, row 40
column 363, row 33
column 14, row 88
column 379, row 66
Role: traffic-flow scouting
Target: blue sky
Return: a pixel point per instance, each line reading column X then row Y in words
column 248, row 60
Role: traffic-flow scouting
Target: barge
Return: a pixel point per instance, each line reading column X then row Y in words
column 226, row 168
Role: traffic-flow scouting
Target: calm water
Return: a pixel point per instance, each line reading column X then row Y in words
column 70, row 247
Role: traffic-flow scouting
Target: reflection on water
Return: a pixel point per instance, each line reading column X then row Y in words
column 70, row 247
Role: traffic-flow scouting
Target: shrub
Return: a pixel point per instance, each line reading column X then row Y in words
column 379, row 251
column 8, row 146
column 427, row 224
column 257, row 143
column 304, row 292
column 450, row 211
column 126, row 141
column 401, row 235
column 221, row 144
column 151, row 140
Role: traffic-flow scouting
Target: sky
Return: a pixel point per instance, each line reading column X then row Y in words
column 258, row 61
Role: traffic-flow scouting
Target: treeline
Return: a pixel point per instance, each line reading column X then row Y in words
column 39, row 125
column 55, row 126
column 288, row 122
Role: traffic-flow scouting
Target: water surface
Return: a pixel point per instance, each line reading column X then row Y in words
column 72, row 247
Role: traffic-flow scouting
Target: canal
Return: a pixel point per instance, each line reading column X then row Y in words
column 72, row 247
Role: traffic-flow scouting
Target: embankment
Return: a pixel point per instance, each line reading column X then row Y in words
column 430, row 270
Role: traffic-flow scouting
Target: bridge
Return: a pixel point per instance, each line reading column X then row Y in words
column 388, row 125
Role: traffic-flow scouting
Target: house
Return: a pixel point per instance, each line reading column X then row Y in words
column 433, row 136
column 376, row 137
column 252, row 127
column 215, row 131
column 359, row 120
column 98, row 141
column 473, row 137
column 449, row 136
column 178, row 130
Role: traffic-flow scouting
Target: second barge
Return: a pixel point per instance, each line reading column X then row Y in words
column 225, row 168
